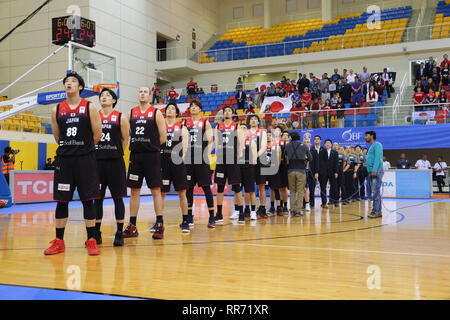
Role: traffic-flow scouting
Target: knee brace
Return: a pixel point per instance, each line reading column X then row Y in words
column 88, row 210
column 236, row 188
column 119, row 209
column 208, row 196
column 98, row 204
column 190, row 197
column 62, row 210
column 220, row 188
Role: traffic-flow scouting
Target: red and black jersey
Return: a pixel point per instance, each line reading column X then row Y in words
column 198, row 141
column 247, row 155
column 227, row 144
column 419, row 97
column 156, row 91
column 191, row 87
column 257, row 137
column 144, row 132
column 172, row 94
column 173, row 142
column 282, row 145
column 271, row 157
column 75, row 130
column 110, row 145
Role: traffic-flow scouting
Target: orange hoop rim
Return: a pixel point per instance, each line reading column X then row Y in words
column 101, row 86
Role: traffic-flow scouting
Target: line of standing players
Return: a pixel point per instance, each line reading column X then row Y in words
column 164, row 152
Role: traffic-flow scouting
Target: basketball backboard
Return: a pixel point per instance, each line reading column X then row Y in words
column 94, row 66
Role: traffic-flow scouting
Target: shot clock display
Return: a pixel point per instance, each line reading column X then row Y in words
column 73, row 28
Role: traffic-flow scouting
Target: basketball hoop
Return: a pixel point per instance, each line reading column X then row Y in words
column 100, row 87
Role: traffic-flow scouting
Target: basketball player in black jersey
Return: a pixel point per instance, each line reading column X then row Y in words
column 172, row 163
column 111, row 166
column 247, row 162
column 197, row 160
column 270, row 168
column 77, row 128
column 229, row 144
column 147, row 133
column 283, row 172
column 260, row 137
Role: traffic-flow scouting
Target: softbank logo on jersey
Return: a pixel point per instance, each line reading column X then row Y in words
column 350, row 136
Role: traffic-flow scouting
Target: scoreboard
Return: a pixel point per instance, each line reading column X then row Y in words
column 73, row 28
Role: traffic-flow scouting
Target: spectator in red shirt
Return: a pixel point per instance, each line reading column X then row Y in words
column 327, row 108
column 431, row 99
column 156, row 91
column 419, row 98
column 315, row 107
column 172, row 94
column 268, row 116
column 445, row 61
column 307, row 97
column 430, row 85
column 297, row 115
column 191, row 88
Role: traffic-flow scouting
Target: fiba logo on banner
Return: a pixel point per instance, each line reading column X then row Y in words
column 350, row 136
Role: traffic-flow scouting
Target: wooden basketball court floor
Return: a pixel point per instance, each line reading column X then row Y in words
column 327, row 254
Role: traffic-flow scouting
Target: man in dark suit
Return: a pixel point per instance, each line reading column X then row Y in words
column 314, row 169
column 429, row 67
column 421, row 71
column 240, row 97
column 328, row 171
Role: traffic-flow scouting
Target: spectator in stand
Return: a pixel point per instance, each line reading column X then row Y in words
column 278, row 92
column 387, row 79
column 303, row 83
column 357, row 91
column 325, row 95
column 379, row 88
column 372, row 98
column 364, row 75
column 314, row 87
column 346, row 91
column 332, row 88
column 249, row 102
column 49, row 165
column 172, row 95
column 304, row 115
column 445, row 61
column 299, row 78
column 421, row 71
column 311, row 77
column 435, row 65
column 445, row 75
column 327, row 108
column 423, row 164
column 296, row 98
column 430, row 85
column 240, row 98
column 436, row 77
column 344, row 74
column 403, row 163
column 283, row 81
column 351, row 77
column 424, row 81
column 431, row 100
column 366, row 86
column 271, row 90
column 156, row 91
column 288, row 89
column 191, row 88
column 417, row 85
column 250, row 108
column 440, row 168
column 419, row 99
column 336, row 76
column 333, row 100
column 443, row 100
column 239, row 84
column 295, row 115
column 429, row 66
column 340, row 107
column 267, row 116
column 386, row 164
column 200, row 91
column 307, row 97
column 324, row 83
column 315, row 108
column 257, row 98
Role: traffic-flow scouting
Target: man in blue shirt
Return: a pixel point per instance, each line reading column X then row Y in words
column 374, row 163
column 296, row 99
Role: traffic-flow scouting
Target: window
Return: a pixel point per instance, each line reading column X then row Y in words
column 258, row 10
column 291, row 6
column 313, row 4
column 238, row 13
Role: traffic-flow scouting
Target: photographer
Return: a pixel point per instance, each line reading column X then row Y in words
column 8, row 160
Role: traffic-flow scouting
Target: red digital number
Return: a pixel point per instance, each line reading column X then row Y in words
column 89, row 35
column 82, row 34
column 67, row 32
column 58, row 34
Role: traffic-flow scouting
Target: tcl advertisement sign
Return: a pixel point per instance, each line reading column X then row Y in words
column 32, row 186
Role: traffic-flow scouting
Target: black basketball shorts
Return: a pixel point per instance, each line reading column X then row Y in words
column 113, row 175
column 199, row 174
column 230, row 172
column 283, row 176
column 248, row 178
column 145, row 165
column 173, row 173
column 78, row 172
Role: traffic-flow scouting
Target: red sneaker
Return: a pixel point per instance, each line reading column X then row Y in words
column 57, row 246
column 159, row 231
column 131, row 231
column 91, row 245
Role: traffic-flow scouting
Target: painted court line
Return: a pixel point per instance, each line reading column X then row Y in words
column 337, row 249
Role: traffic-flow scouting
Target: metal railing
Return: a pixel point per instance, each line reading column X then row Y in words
column 399, row 98
column 339, row 42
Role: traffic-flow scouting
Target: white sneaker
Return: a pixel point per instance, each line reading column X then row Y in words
column 235, row 215
column 253, row 216
column 307, row 207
